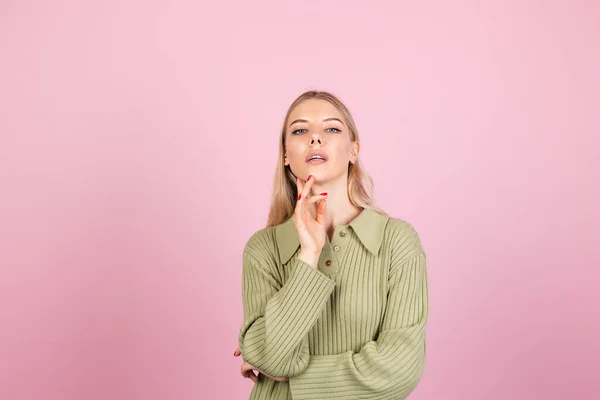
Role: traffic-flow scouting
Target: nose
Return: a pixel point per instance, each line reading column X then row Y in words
column 315, row 139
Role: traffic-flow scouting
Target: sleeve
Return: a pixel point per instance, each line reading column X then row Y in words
column 389, row 367
column 277, row 318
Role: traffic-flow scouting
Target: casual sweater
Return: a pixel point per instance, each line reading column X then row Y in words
column 353, row 328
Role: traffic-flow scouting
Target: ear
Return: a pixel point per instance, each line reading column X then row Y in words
column 355, row 150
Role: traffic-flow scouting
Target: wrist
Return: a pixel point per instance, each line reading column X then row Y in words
column 309, row 257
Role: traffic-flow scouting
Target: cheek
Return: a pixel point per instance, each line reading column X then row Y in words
column 295, row 157
column 295, row 149
column 342, row 152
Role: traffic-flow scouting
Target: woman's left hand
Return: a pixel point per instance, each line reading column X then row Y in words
column 248, row 369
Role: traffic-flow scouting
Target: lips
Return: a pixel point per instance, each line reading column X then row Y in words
column 316, row 153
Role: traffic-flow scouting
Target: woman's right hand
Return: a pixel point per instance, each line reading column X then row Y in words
column 311, row 231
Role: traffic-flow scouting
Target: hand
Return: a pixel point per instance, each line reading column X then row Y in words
column 311, row 231
column 247, row 370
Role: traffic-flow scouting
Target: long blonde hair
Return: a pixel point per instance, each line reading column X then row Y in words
column 360, row 184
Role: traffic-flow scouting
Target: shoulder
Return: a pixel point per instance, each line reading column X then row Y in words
column 261, row 243
column 400, row 227
column 403, row 238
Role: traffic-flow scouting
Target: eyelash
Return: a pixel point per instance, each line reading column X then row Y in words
column 294, row 132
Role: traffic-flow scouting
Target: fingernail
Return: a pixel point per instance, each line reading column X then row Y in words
column 324, row 194
column 308, row 179
column 300, row 195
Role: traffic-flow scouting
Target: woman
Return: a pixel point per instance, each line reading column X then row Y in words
column 334, row 290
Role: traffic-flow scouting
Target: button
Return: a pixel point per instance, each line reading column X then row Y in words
column 342, row 233
column 336, row 248
column 328, row 263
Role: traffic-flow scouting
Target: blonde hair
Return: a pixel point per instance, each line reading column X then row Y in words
column 285, row 194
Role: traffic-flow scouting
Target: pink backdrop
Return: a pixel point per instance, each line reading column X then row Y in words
column 138, row 144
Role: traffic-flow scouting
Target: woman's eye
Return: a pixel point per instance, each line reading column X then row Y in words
column 300, row 131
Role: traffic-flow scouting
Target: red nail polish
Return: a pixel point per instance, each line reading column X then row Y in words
column 324, row 194
column 308, row 179
column 300, row 195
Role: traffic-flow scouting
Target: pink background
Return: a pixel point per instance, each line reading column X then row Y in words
column 137, row 149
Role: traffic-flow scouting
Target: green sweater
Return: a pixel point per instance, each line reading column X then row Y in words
column 352, row 329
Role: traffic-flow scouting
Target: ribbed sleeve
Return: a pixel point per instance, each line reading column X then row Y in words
column 277, row 318
column 389, row 367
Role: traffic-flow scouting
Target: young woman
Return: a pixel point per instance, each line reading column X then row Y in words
column 334, row 290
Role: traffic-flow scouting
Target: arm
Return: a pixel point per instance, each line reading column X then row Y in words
column 391, row 366
column 277, row 319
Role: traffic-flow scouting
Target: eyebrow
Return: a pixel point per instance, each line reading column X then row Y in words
column 326, row 119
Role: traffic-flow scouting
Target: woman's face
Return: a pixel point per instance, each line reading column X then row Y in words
column 316, row 127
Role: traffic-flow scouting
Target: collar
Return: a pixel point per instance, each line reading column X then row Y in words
column 369, row 226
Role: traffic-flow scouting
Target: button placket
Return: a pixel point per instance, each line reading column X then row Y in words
column 327, row 262
column 339, row 245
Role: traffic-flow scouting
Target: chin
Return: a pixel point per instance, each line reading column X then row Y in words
column 319, row 175
column 320, row 172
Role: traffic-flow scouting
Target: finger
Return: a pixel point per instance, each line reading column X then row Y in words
column 307, row 186
column 299, row 188
column 314, row 199
column 299, row 185
column 247, row 371
column 250, row 375
column 299, row 210
column 245, row 368
column 237, row 352
column 321, row 211
column 302, row 205
column 253, row 377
